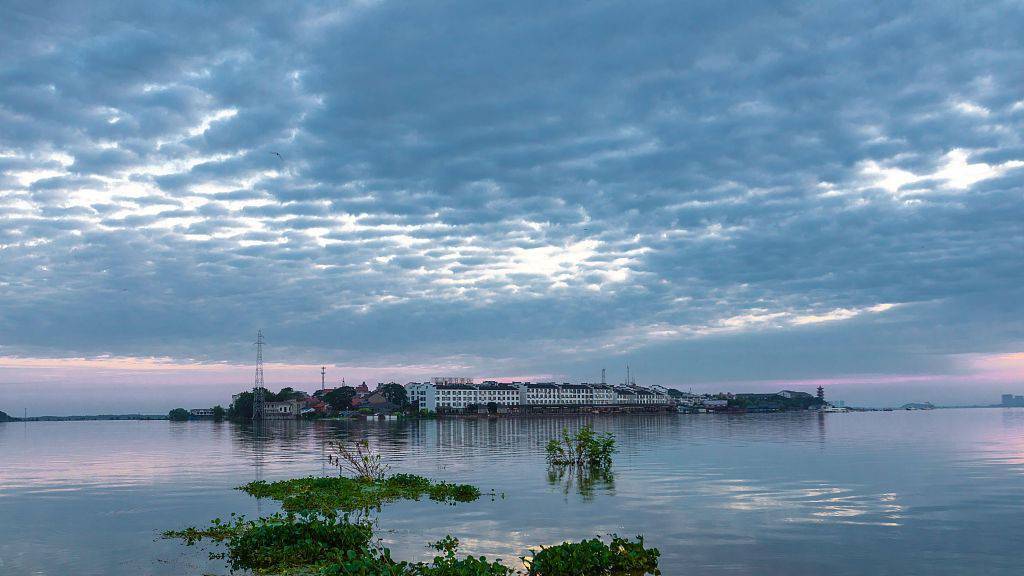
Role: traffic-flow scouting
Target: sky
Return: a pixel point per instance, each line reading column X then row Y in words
column 723, row 195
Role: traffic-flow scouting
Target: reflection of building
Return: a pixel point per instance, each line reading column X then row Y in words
column 448, row 394
column 1011, row 400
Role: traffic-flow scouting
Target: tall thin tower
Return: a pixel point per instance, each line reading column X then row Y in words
column 323, row 378
column 602, row 377
column 258, row 401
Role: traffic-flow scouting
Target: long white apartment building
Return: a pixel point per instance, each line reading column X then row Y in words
column 457, row 394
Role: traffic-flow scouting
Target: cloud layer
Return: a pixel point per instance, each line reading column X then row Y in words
column 714, row 190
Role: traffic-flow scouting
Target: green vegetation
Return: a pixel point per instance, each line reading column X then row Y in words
column 316, row 534
column 594, row 558
column 5, row 418
column 327, row 496
column 178, row 415
column 282, row 544
column 340, row 398
column 219, row 412
column 287, row 393
column 311, row 537
column 378, row 562
column 241, row 408
column 585, row 448
column 307, row 545
column 395, row 394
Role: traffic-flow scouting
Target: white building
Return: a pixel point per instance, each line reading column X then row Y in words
column 603, row 394
column 532, row 394
column 421, row 394
column 501, row 394
column 448, row 395
column 287, row 410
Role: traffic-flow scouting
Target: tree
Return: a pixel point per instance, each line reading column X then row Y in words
column 492, row 407
column 395, row 394
column 5, row 418
column 178, row 415
column 219, row 412
column 287, row 393
column 241, row 408
column 340, row 398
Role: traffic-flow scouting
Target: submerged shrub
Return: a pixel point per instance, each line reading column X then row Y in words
column 585, row 448
column 595, row 558
column 359, row 459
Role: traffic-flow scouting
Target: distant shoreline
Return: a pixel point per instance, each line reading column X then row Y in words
column 90, row 418
column 150, row 417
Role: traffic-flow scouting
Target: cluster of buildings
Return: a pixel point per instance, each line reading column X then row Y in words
column 461, row 394
column 364, row 398
column 751, row 402
column 299, row 403
column 1013, row 401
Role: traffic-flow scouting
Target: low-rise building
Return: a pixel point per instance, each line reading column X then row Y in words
column 447, row 395
column 287, row 410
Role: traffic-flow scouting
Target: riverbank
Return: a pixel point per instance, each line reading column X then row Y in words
column 88, row 418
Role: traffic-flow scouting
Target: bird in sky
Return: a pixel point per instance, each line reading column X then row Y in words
column 278, row 154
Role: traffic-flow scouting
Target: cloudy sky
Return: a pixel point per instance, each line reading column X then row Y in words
column 724, row 195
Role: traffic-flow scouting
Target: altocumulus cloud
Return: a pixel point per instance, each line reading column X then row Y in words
column 715, row 190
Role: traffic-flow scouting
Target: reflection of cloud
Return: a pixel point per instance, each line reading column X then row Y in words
column 809, row 503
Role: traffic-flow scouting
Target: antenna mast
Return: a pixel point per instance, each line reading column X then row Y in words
column 258, row 401
column 602, row 377
column 323, row 378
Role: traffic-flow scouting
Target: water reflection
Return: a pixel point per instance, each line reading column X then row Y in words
column 938, row 492
column 582, row 480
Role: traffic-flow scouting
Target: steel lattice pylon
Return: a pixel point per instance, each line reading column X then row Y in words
column 258, row 400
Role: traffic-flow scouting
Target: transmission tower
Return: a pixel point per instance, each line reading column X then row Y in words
column 258, row 401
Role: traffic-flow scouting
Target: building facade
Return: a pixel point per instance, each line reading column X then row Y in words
column 449, row 395
column 288, row 410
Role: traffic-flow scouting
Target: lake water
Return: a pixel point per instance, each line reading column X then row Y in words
column 937, row 492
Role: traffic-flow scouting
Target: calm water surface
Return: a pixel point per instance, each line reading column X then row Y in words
column 939, row 492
